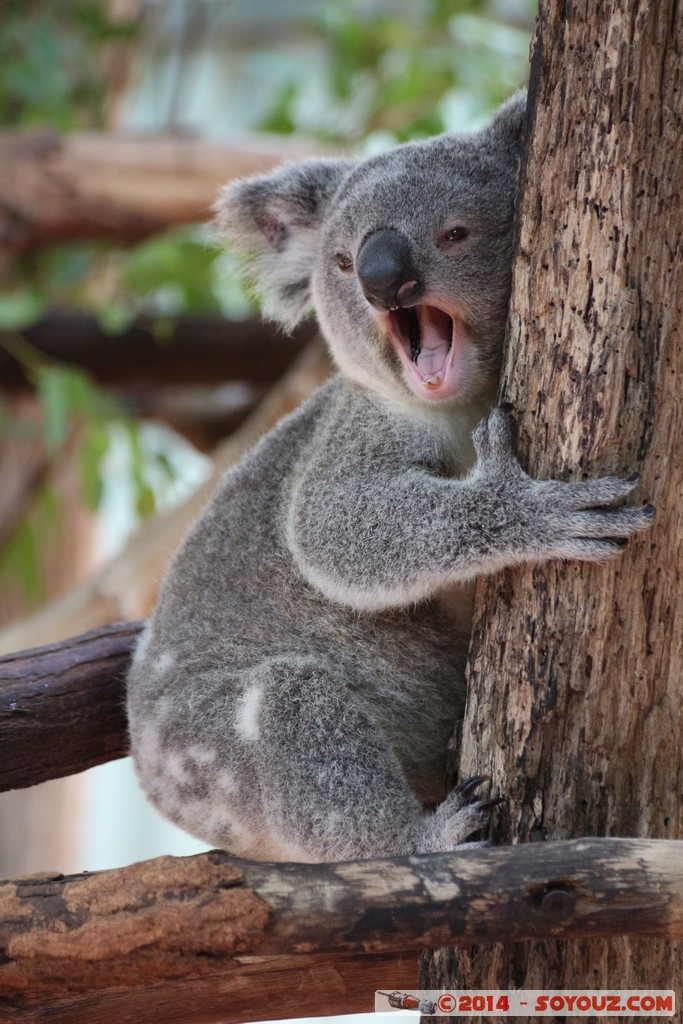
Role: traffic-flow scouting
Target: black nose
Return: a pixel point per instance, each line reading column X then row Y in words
column 386, row 270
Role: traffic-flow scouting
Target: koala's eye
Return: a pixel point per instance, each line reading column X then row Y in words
column 456, row 234
column 344, row 262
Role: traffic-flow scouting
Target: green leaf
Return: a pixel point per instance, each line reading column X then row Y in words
column 174, row 272
column 20, row 559
column 115, row 316
column 68, row 394
column 280, row 118
column 50, row 58
column 145, row 500
column 54, row 390
column 21, row 307
column 94, row 447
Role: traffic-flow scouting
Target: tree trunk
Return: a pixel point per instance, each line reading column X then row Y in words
column 576, row 675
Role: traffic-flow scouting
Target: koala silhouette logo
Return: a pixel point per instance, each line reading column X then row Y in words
column 293, row 692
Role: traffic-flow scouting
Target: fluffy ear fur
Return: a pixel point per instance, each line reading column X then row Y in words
column 507, row 127
column 274, row 220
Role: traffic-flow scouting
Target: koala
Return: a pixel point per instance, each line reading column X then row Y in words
column 292, row 695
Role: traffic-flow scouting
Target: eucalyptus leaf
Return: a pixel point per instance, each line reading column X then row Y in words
column 53, row 387
column 21, row 307
column 93, row 449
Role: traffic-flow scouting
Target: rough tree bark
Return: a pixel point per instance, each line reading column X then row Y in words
column 576, row 678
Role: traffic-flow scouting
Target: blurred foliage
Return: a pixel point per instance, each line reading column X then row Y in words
column 400, row 74
column 176, row 273
column 384, row 72
column 51, row 60
column 21, row 559
column 77, row 418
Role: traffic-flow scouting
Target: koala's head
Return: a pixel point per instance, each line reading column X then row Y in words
column 406, row 257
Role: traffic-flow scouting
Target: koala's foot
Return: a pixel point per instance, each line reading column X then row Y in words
column 458, row 817
column 550, row 519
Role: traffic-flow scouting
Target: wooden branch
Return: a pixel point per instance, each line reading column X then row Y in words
column 62, row 706
column 257, row 988
column 125, row 187
column 178, row 920
column 125, row 588
column 199, row 350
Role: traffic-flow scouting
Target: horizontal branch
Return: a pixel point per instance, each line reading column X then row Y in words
column 177, row 920
column 120, row 186
column 198, row 350
column 62, row 706
column 256, row 988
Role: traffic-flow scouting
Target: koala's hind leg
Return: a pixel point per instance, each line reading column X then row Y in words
column 331, row 785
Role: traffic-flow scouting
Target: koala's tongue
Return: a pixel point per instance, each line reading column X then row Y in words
column 435, row 340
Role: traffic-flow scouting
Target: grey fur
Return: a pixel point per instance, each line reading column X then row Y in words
column 293, row 693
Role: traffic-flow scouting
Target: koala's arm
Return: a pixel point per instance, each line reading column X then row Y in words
column 373, row 536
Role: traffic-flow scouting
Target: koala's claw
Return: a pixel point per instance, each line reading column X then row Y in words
column 463, row 793
column 458, row 817
column 486, row 806
column 453, row 823
column 467, row 787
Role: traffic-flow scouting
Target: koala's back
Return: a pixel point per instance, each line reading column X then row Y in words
column 235, row 605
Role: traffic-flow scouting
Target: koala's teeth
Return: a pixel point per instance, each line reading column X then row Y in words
column 432, row 382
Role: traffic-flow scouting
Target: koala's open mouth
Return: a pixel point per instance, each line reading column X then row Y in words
column 426, row 339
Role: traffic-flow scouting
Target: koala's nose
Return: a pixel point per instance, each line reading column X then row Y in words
column 385, row 269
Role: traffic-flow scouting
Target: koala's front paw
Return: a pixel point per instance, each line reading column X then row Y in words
column 458, row 817
column 550, row 519
column 579, row 524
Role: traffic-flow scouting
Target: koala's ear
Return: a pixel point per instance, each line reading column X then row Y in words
column 508, row 125
column 274, row 222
